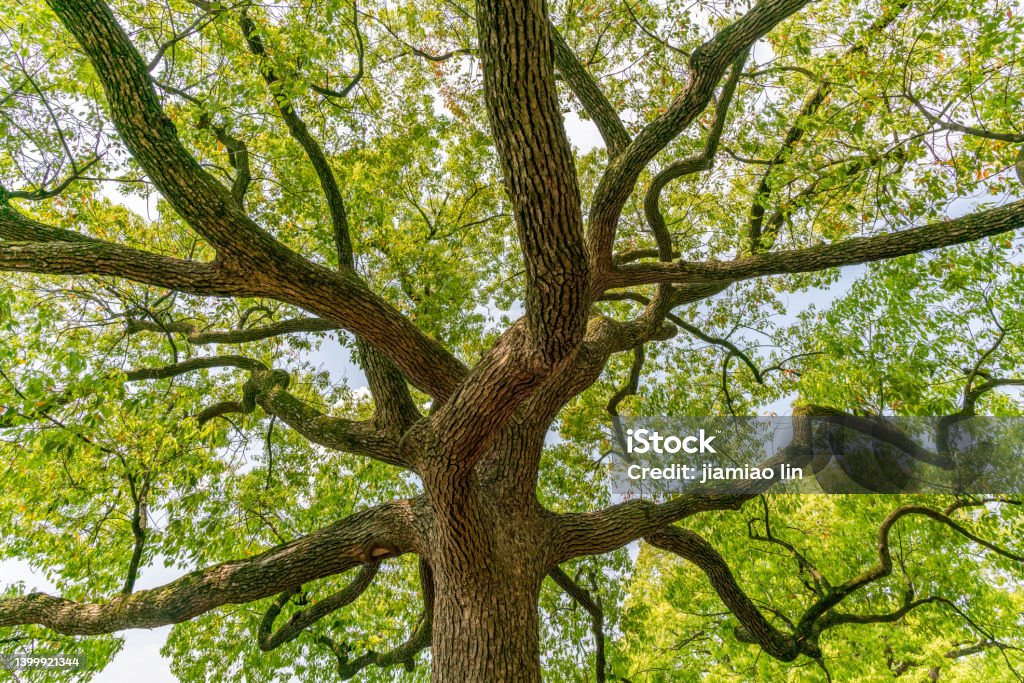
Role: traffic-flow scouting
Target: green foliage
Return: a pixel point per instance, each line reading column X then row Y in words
column 433, row 234
column 677, row 629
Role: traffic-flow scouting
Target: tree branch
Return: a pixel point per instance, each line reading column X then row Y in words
column 693, row 547
column 151, row 137
column 197, row 25
column 394, row 408
column 364, row 437
column 238, row 157
column 707, row 65
column 16, row 227
column 630, row 388
column 883, row 568
column 360, row 59
column 403, row 654
column 237, row 336
column 388, row 386
column 584, row 600
column 843, row 253
column 268, row 639
column 35, row 195
column 594, row 533
column 300, row 132
column 539, row 172
column 267, row 389
column 588, row 92
column 94, row 257
column 796, row 131
column 266, row 266
column 691, row 165
column 683, row 295
column 820, row 616
column 957, row 127
column 540, row 177
column 804, row 566
column 191, row 365
column 365, row 537
column 139, row 521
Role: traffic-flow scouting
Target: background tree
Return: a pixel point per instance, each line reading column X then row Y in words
column 398, row 177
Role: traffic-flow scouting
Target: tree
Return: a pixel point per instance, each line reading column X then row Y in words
column 401, row 176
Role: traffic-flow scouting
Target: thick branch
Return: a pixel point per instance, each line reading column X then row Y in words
column 539, row 172
column 151, row 137
column 17, row 227
column 588, row 92
column 843, row 253
column 605, row 336
column 362, row 437
column 707, row 65
column 693, row 547
column 268, row 268
column 27, row 245
column 884, row 430
column 93, row 257
column 593, row 533
column 365, row 537
column 540, row 176
column 394, row 408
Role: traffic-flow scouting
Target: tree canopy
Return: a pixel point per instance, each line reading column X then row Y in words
column 210, row 211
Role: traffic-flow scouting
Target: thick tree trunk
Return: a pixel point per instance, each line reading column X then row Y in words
column 487, row 556
column 485, row 631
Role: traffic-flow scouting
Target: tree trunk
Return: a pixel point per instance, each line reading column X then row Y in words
column 487, row 556
column 485, row 631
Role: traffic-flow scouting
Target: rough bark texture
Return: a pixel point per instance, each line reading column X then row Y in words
column 484, row 540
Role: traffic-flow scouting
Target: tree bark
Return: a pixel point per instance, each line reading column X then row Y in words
column 484, row 541
column 486, row 625
column 489, row 552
